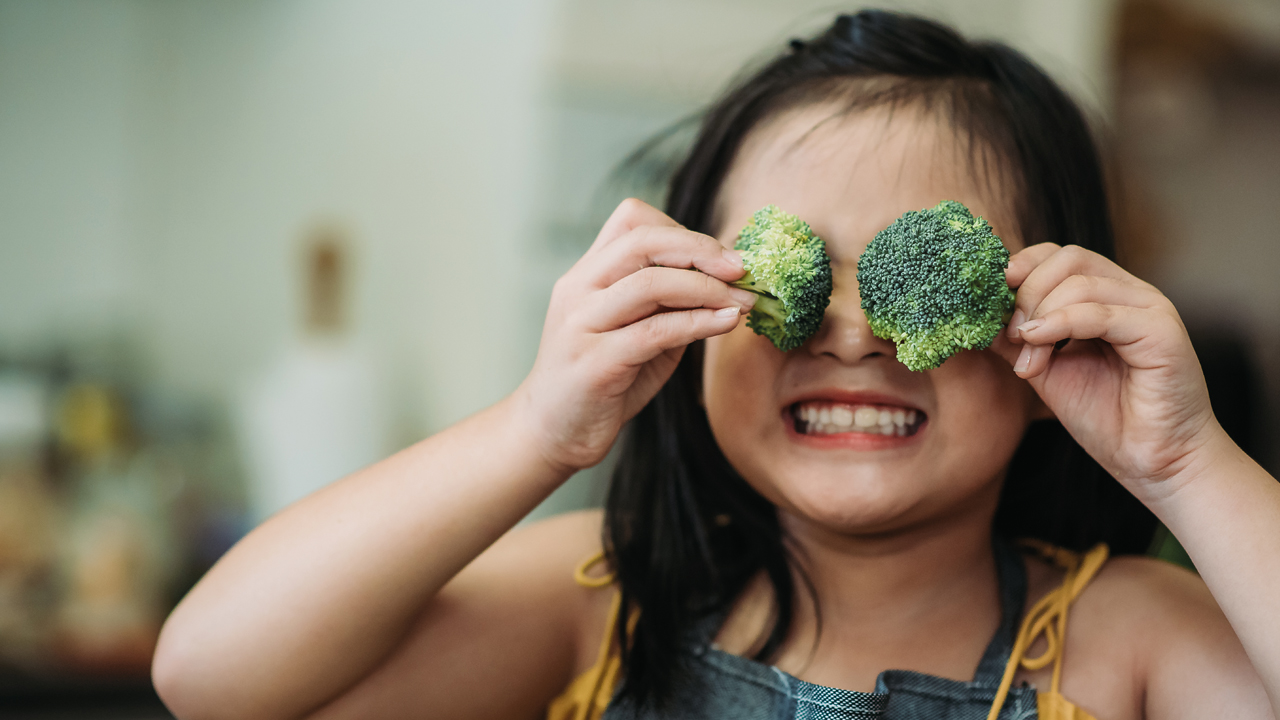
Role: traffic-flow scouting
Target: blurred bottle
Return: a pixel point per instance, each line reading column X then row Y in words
column 316, row 413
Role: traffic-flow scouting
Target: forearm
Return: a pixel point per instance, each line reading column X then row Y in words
column 1226, row 513
column 311, row 601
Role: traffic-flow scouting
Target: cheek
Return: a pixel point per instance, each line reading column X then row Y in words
column 985, row 412
column 738, row 380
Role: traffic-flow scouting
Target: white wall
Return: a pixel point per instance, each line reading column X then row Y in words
column 688, row 49
column 67, row 166
column 410, row 124
column 160, row 162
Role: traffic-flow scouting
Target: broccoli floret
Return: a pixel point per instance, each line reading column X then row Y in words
column 933, row 282
column 788, row 267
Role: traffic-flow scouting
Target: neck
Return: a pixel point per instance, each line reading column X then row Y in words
column 922, row 597
column 898, row 568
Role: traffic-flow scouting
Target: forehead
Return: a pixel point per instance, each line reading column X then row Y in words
column 849, row 175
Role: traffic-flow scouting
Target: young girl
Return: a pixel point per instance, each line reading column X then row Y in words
column 749, row 566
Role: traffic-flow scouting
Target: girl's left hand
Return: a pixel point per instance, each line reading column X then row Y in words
column 1126, row 383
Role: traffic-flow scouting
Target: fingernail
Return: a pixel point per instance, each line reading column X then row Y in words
column 732, row 311
column 1030, row 325
column 745, row 298
column 1024, row 360
column 733, row 257
column 1018, row 318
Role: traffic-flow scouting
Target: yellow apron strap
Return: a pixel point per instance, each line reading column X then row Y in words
column 580, row 573
column 603, row 676
column 1048, row 617
column 604, row 669
column 1073, row 585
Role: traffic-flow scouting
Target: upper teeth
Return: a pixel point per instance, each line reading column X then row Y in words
column 828, row 418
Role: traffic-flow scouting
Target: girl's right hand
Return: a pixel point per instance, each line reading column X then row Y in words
column 618, row 323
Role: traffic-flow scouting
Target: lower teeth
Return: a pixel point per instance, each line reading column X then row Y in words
column 805, row 428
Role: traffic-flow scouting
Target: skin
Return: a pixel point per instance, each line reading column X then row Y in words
column 402, row 591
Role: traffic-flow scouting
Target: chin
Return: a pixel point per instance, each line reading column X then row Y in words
column 870, row 499
column 851, row 503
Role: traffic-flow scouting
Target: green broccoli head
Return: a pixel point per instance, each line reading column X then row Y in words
column 933, row 282
column 788, row 267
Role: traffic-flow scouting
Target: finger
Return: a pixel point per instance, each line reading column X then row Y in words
column 656, row 289
column 671, row 247
column 1032, row 360
column 1025, row 260
column 1052, row 271
column 629, row 215
column 640, row 342
column 1122, row 326
column 1078, row 289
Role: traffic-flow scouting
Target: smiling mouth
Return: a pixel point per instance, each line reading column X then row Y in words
column 832, row 418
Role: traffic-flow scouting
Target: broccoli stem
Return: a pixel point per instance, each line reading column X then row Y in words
column 748, row 283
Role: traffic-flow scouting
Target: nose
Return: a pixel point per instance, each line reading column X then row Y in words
column 845, row 334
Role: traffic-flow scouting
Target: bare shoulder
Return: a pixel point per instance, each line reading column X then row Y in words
column 533, row 567
column 1152, row 597
column 541, row 551
column 1147, row 639
column 1155, row 607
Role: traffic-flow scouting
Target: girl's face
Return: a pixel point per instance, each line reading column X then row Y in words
column 864, row 466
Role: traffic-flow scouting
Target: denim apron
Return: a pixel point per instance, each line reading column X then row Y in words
column 721, row 686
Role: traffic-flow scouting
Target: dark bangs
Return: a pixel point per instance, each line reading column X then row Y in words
column 683, row 531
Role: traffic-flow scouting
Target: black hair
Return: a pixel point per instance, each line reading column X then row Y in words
column 683, row 531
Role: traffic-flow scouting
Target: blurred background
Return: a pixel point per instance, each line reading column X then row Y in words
column 247, row 247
